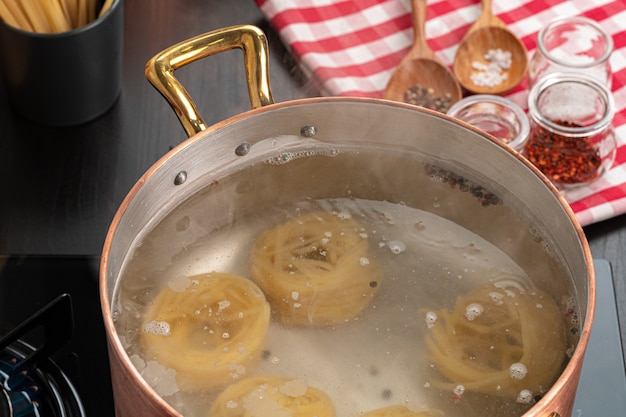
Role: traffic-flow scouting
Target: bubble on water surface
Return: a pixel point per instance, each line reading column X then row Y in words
column 473, row 310
column 223, row 304
column 431, row 319
column 497, row 298
column 459, row 390
column 524, row 396
column 286, row 157
column 518, row 371
column 161, row 328
column 396, row 246
column 344, row 215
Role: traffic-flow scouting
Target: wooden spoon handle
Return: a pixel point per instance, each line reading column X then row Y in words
column 420, row 47
column 487, row 18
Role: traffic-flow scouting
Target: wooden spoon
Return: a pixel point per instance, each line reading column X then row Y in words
column 422, row 67
column 489, row 33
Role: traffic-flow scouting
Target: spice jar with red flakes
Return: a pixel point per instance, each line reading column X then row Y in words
column 572, row 140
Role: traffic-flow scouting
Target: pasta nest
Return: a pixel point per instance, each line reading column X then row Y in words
column 265, row 396
column 210, row 332
column 507, row 342
column 315, row 269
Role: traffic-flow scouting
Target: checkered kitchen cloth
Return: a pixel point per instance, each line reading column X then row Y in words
column 351, row 47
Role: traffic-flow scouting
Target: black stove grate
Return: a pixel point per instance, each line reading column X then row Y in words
column 79, row 370
column 44, row 391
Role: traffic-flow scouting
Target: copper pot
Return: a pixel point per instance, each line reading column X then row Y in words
column 324, row 126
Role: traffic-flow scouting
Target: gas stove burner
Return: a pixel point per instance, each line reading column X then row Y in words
column 44, row 391
column 32, row 384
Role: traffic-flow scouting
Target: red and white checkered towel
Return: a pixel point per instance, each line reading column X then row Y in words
column 351, row 47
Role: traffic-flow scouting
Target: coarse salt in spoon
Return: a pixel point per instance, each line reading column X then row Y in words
column 490, row 58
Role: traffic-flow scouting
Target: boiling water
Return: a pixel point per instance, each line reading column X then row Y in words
column 375, row 360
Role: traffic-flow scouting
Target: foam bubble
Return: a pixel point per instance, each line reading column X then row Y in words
column 497, row 298
column 431, row 319
column 223, row 304
column 161, row 328
column 473, row 310
column 344, row 215
column 396, row 246
column 524, row 396
column 518, row 371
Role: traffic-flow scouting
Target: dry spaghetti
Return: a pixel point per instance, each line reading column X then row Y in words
column 51, row 16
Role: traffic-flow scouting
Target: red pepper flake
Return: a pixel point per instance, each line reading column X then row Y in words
column 567, row 160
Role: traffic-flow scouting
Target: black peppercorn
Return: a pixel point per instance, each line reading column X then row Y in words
column 426, row 97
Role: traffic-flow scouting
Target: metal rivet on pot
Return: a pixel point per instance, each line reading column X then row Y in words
column 308, row 131
column 242, row 149
column 181, row 177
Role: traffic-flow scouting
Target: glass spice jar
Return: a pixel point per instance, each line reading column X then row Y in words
column 495, row 115
column 572, row 140
column 572, row 44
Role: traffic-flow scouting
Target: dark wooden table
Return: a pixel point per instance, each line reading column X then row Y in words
column 60, row 187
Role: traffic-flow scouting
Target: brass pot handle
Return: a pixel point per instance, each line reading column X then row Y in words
column 250, row 39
